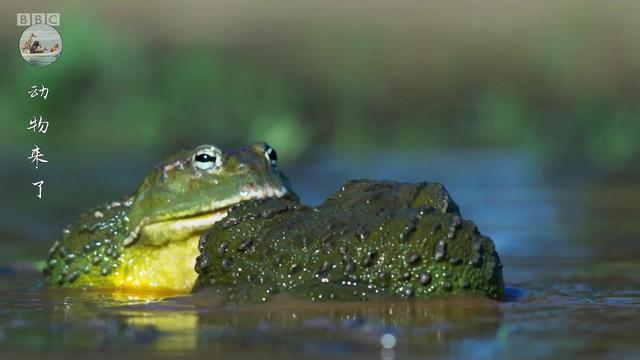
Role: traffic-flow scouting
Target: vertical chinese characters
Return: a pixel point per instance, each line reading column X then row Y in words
column 38, row 124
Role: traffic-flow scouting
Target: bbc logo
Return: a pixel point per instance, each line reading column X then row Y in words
column 27, row 19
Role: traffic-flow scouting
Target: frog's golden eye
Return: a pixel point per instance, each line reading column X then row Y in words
column 271, row 155
column 207, row 158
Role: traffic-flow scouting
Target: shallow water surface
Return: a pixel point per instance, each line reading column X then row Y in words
column 569, row 249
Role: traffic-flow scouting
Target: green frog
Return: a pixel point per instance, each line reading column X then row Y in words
column 370, row 239
column 148, row 240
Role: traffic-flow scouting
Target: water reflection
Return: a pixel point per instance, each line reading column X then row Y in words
column 92, row 320
column 292, row 326
column 117, row 319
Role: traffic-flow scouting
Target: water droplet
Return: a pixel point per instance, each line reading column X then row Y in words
column 425, row 278
column 388, row 341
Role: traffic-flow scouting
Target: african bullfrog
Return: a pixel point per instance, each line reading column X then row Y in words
column 148, row 240
column 370, row 239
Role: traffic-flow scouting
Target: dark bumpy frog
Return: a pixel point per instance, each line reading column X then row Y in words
column 148, row 241
column 370, row 239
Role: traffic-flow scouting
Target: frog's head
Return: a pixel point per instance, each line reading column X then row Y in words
column 192, row 190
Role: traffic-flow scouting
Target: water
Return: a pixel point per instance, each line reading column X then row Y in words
column 569, row 244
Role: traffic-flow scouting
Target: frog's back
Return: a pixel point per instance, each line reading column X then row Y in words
column 371, row 238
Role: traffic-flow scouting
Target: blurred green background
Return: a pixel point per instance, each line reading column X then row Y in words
column 559, row 79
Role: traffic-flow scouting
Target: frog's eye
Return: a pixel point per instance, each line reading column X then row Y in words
column 207, row 158
column 271, row 155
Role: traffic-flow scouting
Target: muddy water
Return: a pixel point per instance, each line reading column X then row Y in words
column 570, row 245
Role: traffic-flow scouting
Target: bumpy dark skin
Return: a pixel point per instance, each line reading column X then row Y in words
column 370, row 239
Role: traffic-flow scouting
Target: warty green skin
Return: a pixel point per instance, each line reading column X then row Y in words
column 370, row 239
column 91, row 248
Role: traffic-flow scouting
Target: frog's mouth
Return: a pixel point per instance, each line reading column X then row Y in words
column 187, row 226
column 181, row 229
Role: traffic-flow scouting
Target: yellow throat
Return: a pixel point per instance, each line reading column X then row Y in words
column 162, row 260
